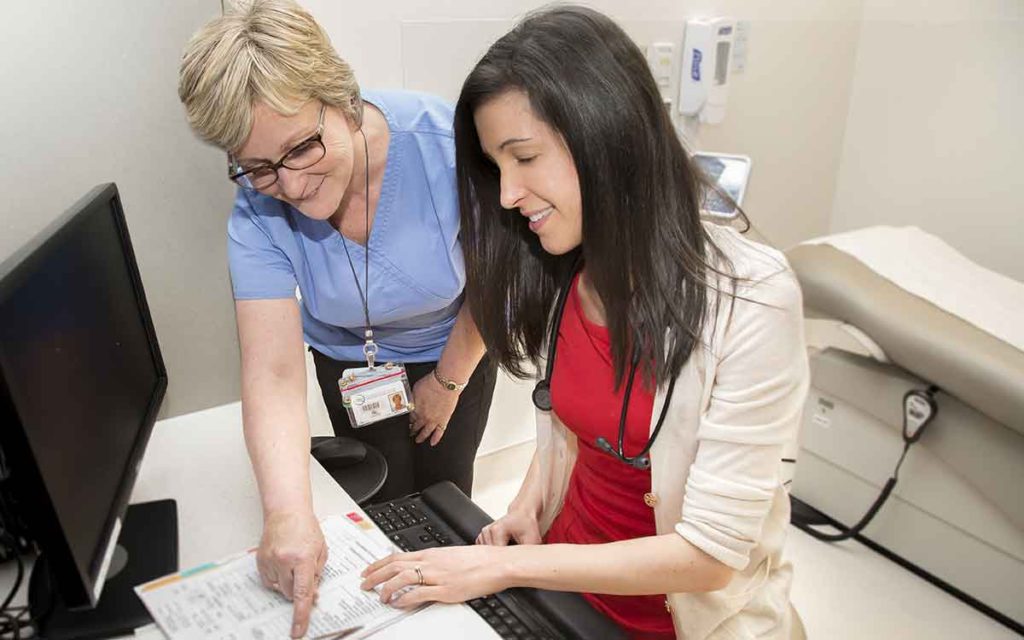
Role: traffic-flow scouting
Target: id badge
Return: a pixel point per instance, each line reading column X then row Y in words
column 373, row 394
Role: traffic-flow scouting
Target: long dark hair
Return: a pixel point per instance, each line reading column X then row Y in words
column 644, row 246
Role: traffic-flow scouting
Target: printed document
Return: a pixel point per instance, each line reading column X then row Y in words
column 226, row 600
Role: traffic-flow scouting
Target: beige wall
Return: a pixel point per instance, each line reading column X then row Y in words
column 788, row 113
column 934, row 135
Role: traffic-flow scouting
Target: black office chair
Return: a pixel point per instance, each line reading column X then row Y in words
column 359, row 468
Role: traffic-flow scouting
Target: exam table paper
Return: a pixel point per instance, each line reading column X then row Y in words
column 226, row 600
column 924, row 265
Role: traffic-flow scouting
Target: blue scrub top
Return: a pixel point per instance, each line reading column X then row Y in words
column 416, row 267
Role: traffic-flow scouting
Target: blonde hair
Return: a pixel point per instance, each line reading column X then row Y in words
column 269, row 51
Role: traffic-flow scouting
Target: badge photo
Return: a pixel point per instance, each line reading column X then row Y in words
column 372, row 394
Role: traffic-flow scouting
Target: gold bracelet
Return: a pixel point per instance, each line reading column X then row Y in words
column 450, row 385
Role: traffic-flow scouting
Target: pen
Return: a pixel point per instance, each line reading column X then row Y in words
column 338, row 635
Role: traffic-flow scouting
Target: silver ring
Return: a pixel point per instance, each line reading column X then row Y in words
column 419, row 576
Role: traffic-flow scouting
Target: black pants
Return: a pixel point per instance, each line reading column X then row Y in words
column 413, row 467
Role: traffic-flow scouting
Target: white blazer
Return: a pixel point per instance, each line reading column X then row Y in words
column 716, row 465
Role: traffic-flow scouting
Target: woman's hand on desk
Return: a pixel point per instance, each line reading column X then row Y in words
column 449, row 574
column 290, row 559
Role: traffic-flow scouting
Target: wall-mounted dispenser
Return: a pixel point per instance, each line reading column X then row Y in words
column 705, row 70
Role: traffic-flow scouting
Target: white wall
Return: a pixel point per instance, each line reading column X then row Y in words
column 90, row 96
column 934, row 135
column 787, row 110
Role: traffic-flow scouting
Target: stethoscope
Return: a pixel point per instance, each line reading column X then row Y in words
column 542, row 392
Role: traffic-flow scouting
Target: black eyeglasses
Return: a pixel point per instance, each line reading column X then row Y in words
column 302, row 156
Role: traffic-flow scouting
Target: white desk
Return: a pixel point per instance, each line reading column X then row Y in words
column 200, row 461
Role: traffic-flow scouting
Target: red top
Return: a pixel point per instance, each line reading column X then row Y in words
column 605, row 499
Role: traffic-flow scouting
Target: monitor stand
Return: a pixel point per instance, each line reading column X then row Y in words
column 146, row 549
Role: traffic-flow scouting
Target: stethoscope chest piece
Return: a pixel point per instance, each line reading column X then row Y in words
column 542, row 396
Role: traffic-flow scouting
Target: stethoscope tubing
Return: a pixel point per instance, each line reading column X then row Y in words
column 542, row 391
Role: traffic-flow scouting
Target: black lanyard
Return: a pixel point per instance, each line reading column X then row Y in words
column 370, row 348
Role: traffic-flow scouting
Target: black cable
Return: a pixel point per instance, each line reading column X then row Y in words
column 17, row 583
column 364, row 297
column 12, row 622
column 846, row 534
column 11, row 625
column 917, row 404
column 14, row 625
column 12, row 618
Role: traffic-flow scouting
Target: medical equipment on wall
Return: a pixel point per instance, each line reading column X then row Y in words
column 542, row 392
column 704, row 76
column 659, row 60
column 728, row 173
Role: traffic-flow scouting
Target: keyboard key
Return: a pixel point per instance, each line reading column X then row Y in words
column 401, row 541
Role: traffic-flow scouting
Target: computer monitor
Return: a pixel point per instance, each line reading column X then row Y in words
column 81, row 381
column 728, row 175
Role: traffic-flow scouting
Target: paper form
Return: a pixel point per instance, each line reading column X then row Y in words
column 227, row 601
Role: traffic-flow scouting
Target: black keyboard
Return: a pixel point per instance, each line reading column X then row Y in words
column 412, row 525
column 441, row 516
column 407, row 524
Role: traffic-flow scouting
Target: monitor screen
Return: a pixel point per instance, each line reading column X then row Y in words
column 729, row 173
column 83, row 372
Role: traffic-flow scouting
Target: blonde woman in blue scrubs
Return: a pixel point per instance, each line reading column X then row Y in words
column 349, row 196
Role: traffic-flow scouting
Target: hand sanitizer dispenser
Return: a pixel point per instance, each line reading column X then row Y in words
column 704, row 85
